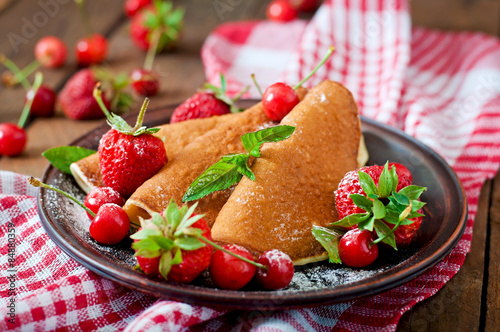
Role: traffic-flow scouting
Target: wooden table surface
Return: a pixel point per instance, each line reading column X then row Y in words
column 469, row 302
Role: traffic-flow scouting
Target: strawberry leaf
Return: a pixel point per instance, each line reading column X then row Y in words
column 385, row 182
column 329, row 238
column 367, row 183
column 146, row 244
column 189, row 243
column 172, row 214
column 394, row 177
column 362, row 202
column 253, row 141
column 145, row 233
column 177, row 257
column 157, row 220
column 351, row 220
column 240, row 160
column 382, row 231
column 165, row 264
column 401, row 199
column 117, row 123
column 147, row 253
column 417, row 205
column 62, row 157
column 412, row 192
column 163, row 242
column 379, row 210
column 219, row 176
column 367, row 224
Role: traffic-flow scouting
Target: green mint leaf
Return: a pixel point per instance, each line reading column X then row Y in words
column 385, row 182
column 62, row 157
column 189, row 243
column 362, row 202
column 351, row 220
column 412, row 192
column 329, row 239
column 394, row 177
column 177, row 258
column 253, row 141
column 379, row 210
column 163, row 242
column 145, row 233
column 367, row 224
column 165, row 264
column 240, row 160
column 401, row 199
column 382, row 231
column 367, row 183
column 219, row 176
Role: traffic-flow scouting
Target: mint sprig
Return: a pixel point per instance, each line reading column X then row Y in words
column 382, row 205
column 231, row 168
column 63, row 156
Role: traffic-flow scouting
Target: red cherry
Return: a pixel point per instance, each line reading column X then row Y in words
column 229, row 272
column 144, row 82
column 44, row 103
column 305, row 5
column 110, row 225
column 281, row 11
column 356, row 248
column 12, row 139
column 51, row 52
column 131, row 7
column 402, row 169
column 278, row 100
column 99, row 196
column 91, row 50
column 280, row 270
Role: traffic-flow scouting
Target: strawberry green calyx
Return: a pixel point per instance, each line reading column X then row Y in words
column 220, row 93
column 116, row 122
column 331, row 49
column 167, row 20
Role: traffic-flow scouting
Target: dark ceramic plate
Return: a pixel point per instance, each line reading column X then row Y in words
column 312, row 285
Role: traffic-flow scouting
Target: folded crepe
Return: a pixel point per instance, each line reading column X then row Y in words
column 173, row 180
column 295, row 179
column 175, row 136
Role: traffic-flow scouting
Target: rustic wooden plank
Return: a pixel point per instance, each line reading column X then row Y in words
column 457, row 306
column 474, row 15
column 493, row 291
column 24, row 23
column 5, row 4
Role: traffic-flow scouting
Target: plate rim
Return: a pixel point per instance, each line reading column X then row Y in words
column 253, row 299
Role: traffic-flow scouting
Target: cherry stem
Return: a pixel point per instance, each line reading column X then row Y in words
column 28, row 70
column 256, row 84
column 140, row 117
column 97, row 93
column 402, row 217
column 153, row 46
column 328, row 53
column 216, row 246
column 239, row 94
column 37, row 183
column 18, row 74
column 27, row 107
column 84, row 14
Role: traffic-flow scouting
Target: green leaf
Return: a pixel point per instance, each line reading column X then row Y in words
column 253, row 141
column 157, row 220
column 219, row 176
column 173, row 215
column 367, row 183
column 412, row 192
column 187, row 219
column 165, row 264
column 379, row 210
column 351, row 220
column 240, row 160
column 391, row 216
column 329, row 239
column 147, row 244
column 145, row 233
column 177, row 258
column 362, row 202
column 163, row 242
column 395, row 179
column 192, row 231
column 116, row 122
column 385, row 182
column 401, row 199
column 382, row 230
column 367, row 224
column 147, row 253
column 417, row 205
column 62, row 157
column 189, row 243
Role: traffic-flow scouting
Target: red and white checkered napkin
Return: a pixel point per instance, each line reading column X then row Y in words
column 442, row 88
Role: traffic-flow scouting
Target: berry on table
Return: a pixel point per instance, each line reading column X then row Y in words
column 305, row 5
column 12, row 139
column 279, row 271
column 132, row 7
column 99, row 196
column 144, row 82
column 230, row 272
column 51, row 52
column 356, row 248
column 44, row 101
column 110, row 225
column 281, row 11
column 91, row 50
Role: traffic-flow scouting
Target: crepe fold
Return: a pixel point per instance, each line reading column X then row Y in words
column 295, row 179
column 173, row 180
column 175, row 136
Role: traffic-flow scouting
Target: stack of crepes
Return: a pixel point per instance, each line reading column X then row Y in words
column 295, row 178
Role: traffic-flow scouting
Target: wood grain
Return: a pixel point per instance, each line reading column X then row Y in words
column 493, row 290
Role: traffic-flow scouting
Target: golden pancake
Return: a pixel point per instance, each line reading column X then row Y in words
column 175, row 136
column 295, row 179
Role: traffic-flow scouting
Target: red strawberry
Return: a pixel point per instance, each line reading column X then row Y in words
column 211, row 102
column 76, row 98
column 175, row 239
column 162, row 16
column 129, row 156
column 131, row 7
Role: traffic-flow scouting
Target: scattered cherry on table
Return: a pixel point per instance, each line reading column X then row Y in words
column 51, row 52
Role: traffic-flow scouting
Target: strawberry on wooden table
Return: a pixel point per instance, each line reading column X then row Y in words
column 128, row 156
